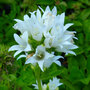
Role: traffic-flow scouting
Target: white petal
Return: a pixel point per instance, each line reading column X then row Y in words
column 58, row 63
column 19, row 26
column 60, row 84
column 66, row 37
column 26, row 17
column 75, row 38
column 35, row 85
column 40, row 48
column 54, row 11
column 71, row 52
column 18, row 21
column 40, row 63
column 38, row 37
column 55, row 60
column 67, row 43
column 33, row 16
column 41, row 9
column 14, row 47
column 57, row 57
column 46, row 12
column 25, row 36
column 21, row 56
column 62, row 17
column 46, row 42
column 28, row 48
column 38, row 14
column 61, row 46
column 48, row 62
column 30, row 60
column 73, row 47
column 16, row 53
column 48, row 55
column 47, row 8
column 18, row 39
column 67, row 26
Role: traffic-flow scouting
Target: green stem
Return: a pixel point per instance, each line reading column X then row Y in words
column 37, row 75
column 39, row 84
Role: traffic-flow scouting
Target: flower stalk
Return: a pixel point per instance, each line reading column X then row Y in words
column 37, row 75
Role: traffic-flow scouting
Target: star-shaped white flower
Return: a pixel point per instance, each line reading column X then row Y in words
column 23, row 44
column 44, row 87
column 40, row 56
column 51, row 60
column 23, row 25
column 53, row 84
column 49, row 16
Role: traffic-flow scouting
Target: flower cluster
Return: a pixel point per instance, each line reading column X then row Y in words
column 42, row 35
column 49, row 29
column 52, row 85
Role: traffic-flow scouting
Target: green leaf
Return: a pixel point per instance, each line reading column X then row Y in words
column 88, row 65
column 45, row 2
column 75, row 72
column 80, row 39
column 26, row 76
column 84, row 14
column 27, row 88
column 85, row 2
column 68, row 85
column 81, row 62
column 8, row 1
column 52, row 72
column 85, row 80
column 86, row 29
column 87, row 87
column 3, row 87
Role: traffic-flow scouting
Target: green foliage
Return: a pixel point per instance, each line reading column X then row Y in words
column 15, row 75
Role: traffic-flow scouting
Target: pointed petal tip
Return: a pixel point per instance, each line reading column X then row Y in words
column 41, row 9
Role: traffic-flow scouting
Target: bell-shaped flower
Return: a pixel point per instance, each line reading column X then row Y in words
column 44, row 87
column 23, row 44
column 40, row 56
column 51, row 60
column 23, row 25
column 54, row 84
column 49, row 16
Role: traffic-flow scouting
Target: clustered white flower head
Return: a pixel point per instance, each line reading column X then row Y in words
column 49, row 31
column 52, row 85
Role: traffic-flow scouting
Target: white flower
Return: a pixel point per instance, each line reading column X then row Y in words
column 53, row 84
column 51, row 60
column 23, row 44
column 49, row 16
column 40, row 56
column 37, row 26
column 23, row 26
column 33, row 25
column 59, row 37
column 44, row 87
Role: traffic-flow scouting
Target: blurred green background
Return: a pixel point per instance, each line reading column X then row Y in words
column 75, row 70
